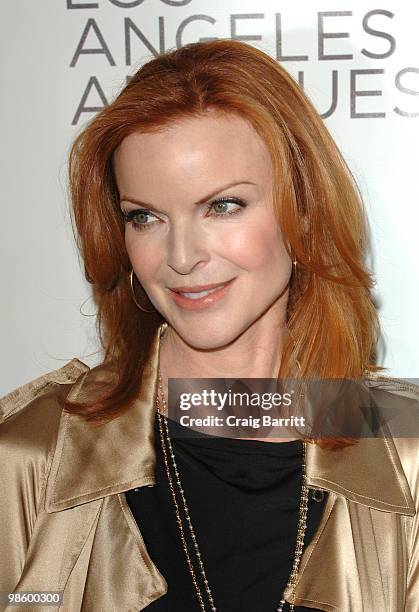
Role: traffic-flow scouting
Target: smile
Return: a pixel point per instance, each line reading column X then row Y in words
column 198, row 300
column 199, row 294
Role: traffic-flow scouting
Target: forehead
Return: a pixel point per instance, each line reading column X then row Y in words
column 213, row 147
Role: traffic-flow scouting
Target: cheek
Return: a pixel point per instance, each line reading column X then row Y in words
column 258, row 246
column 142, row 255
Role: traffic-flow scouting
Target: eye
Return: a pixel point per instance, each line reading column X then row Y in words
column 223, row 203
column 138, row 218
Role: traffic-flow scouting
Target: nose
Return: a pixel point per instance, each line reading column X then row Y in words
column 186, row 246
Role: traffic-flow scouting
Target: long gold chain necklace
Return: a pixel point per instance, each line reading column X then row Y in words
column 302, row 521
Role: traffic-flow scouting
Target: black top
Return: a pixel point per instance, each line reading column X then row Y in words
column 243, row 498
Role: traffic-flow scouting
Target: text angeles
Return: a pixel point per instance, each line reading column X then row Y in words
column 359, row 82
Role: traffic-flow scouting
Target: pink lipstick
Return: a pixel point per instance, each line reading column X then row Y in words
column 199, row 297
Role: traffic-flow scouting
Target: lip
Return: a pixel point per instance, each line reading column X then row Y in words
column 204, row 302
column 195, row 288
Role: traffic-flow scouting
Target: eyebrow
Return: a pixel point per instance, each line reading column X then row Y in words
column 201, row 201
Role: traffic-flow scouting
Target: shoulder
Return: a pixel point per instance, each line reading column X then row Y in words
column 400, row 386
column 397, row 402
column 19, row 398
column 30, row 415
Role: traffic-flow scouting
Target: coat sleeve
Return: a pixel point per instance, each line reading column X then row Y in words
column 408, row 451
column 29, row 422
column 411, row 467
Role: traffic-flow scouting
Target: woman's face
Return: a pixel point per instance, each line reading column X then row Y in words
column 188, row 238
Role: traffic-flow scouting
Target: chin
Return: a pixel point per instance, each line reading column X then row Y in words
column 202, row 336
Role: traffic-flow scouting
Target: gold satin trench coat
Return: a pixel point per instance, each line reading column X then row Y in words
column 65, row 524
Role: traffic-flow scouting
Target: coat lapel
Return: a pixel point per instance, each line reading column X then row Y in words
column 91, row 460
column 115, row 568
column 98, row 463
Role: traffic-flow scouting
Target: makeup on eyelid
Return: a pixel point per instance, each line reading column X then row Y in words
column 129, row 215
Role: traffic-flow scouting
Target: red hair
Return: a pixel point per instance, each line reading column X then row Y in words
column 331, row 317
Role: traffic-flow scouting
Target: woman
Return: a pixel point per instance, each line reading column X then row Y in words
column 210, row 173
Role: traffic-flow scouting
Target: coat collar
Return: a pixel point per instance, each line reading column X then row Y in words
column 91, row 461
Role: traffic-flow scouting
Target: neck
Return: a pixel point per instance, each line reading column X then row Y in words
column 256, row 353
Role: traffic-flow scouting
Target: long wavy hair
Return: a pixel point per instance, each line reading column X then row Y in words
column 332, row 321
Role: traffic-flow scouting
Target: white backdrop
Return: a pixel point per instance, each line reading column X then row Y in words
column 61, row 60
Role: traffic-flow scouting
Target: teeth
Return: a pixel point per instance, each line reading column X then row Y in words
column 200, row 294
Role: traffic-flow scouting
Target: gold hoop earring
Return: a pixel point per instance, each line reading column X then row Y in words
column 133, row 295
column 294, row 262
